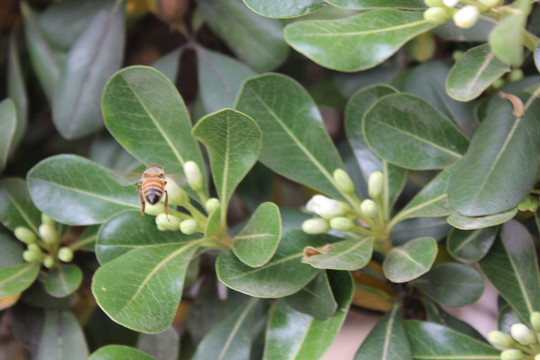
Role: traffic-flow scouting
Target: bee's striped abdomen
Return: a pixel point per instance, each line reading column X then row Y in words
column 152, row 190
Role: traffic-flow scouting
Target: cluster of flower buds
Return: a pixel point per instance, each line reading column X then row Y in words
column 522, row 343
column 44, row 248
column 440, row 11
column 530, row 203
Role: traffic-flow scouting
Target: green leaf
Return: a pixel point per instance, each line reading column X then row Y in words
column 507, row 317
column 410, row 132
column 62, row 338
column 501, row 164
column 410, row 260
column 479, row 32
column 284, row 8
column 36, row 296
column 435, row 227
column 470, row 246
column 511, row 266
column 8, row 123
column 506, row 39
column 257, row 41
column 220, row 79
column 125, row 232
column 295, row 143
column 352, row 254
column 474, row 72
column 479, row 222
column 168, row 64
column 16, row 206
column 537, row 56
column 46, row 63
column 89, row 193
column 12, row 250
column 434, row 342
column 95, row 56
column 316, row 299
column 87, row 240
column 141, row 289
column 17, row 278
column 295, row 335
column 452, row 285
column 163, row 346
column 144, row 112
column 272, row 280
column 388, row 340
column 233, row 141
column 232, row 338
column 16, row 87
column 432, row 200
column 63, row 280
column 378, row 4
column 358, row 42
column 257, row 242
column 213, row 224
column 110, row 154
column 369, row 162
column 119, row 352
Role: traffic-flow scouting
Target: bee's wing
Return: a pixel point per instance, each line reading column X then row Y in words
column 178, row 178
column 127, row 177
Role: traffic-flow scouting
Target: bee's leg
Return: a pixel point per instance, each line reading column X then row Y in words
column 138, row 186
column 166, row 204
column 141, row 198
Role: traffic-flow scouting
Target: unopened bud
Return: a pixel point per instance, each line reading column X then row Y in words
column 369, row 208
column 45, row 219
column 34, row 248
column 515, row 75
column 177, row 196
column 450, row 3
column 434, row 3
column 341, row 224
column 31, row 256
column 315, row 226
column 65, row 254
column 48, row 262
column 343, row 181
column 189, row 226
column 522, row 334
column 497, row 84
column 535, row 320
column 498, row 338
column 48, row 233
column 511, row 354
column 537, row 357
column 375, row 184
column 25, row 235
column 155, row 209
column 193, row 175
column 326, row 207
column 436, row 15
column 211, row 205
column 165, row 222
column 466, row 17
column 489, row 3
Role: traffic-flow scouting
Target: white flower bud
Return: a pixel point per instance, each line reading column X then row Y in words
column 171, row 223
column 65, row 254
column 34, row 248
column 511, row 354
column 450, row 3
column 315, row 226
column 193, row 175
column 48, row 233
column 177, row 196
column 537, row 357
column 436, row 15
column 466, row 17
column 189, row 226
column 343, row 181
column 375, row 184
column 31, row 256
column 25, row 235
column 341, row 224
column 498, row 338
column 369, row 208
column 326, row 207
column 211, row 205
column 535, row 320
column 48, row 262
column 434, row 3
column 155, row 209
column 45, row 219
column 489, row 3
column 522, row 334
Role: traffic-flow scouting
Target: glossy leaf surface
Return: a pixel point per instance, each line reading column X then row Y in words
column 378, row 4
column 452, row 284
column 295, row 146
column 411, row 133
column 474, row 72
column 16, row 87
column 89, row 193
column 257, row 242
column 272, row 280
column 11, row 250
column 62, row 338
column 432, row 342
column 256, row 40
column 8, row 124
column 388, row 340
column 119, row 352
column 500, row 166
column 233, row 141
column 511, row 266
column 358, row 42
column 144, row 112
column 435, row 227
column 62, row 280
column 316, row 299
column 410, row 260
column 284, row 8
column 17, row 278
column 470, row 246
column 352, row 254
column 16, row 206
column 141, row 289
column 479, row 222
column 95, row 56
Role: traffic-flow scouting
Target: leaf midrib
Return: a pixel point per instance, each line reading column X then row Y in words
column 364, row 33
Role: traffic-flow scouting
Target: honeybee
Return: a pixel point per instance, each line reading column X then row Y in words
column 151, row 187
